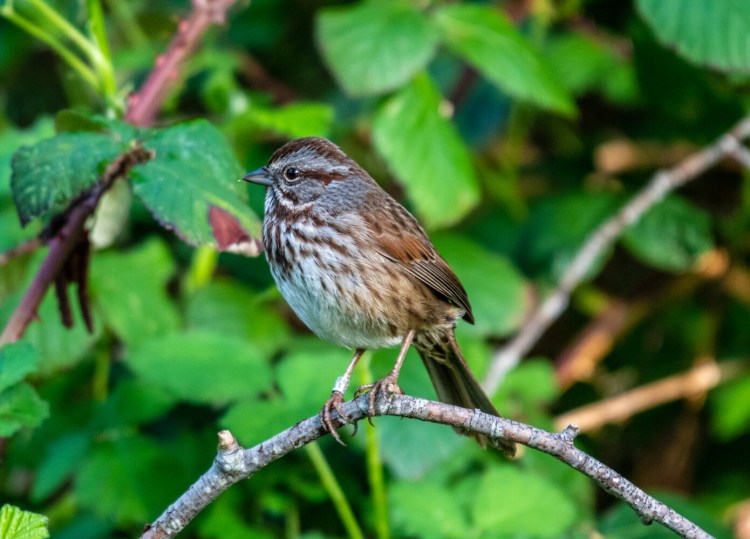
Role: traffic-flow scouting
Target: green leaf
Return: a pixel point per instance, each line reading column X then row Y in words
column 225, row 519
column 233, row 309
column 403, row 441
column 194, row 173
column 579, row 489
column 254, row 421
column 709, row 32
column 549, row 247
column 671, row 235
column 578, row 61
column 50, row 174
column 61, row 461
column 426, row 509
column 306, row 376
column 130, row 290
column 527, row 387
column 622, row 523
column 730, row 408
column 21, row 406
column 86, row 525
column 16, row 361
column 584, row 64
column 118, row 480
column 202, row 366
column 423, row 149
column 533, row 496
column 18, row 524
column 133, row 403
column 13, row 234
column 57, row 345
column 376, row 45
column 12, row 139
column 294, row 120
column 220, row 90
column 499, row 304
column 73, row 120
column 485, row 38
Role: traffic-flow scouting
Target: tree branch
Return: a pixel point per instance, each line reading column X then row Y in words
column 142, row 108
column 694, row 382
column 664, row 182
column 234, row 462
column 577, row 361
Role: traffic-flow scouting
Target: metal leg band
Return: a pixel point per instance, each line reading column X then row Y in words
column 341, row 385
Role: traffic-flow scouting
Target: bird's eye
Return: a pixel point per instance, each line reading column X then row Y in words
column 291, row 173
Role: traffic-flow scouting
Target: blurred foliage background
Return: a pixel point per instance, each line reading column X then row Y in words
column 511, row 129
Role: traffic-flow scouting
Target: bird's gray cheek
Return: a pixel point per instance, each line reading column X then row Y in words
column 311, row 191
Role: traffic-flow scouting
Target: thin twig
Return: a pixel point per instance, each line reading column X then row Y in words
column 578, row 360
column 662, row 183
column 742, row 155
column 27, row 247
column 696, row 381
column 737, row 283
column 234, row 463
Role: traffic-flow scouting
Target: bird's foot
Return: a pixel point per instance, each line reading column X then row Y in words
column 386, row 386
column 334, row 403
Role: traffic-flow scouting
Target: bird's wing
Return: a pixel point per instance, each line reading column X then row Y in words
column 402, row 240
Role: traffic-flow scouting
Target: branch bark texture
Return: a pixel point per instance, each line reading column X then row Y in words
column 663, row 183
column 234, row 463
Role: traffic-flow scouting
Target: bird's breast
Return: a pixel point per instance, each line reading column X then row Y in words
column 336, row 287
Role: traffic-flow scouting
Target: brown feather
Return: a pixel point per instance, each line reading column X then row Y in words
column 411, row 248
column 455, row 384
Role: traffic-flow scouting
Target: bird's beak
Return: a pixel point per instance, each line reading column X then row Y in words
column 260, row 176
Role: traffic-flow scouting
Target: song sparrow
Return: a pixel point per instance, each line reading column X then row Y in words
column 358, row 269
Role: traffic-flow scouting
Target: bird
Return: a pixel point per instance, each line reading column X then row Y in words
column 358, row 269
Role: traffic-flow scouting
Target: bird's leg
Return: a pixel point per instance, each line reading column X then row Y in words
column 389, row 384
column 337, row 398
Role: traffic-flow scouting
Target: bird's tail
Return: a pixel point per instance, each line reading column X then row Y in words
column 455, row 384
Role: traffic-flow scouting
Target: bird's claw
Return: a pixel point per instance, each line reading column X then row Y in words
column 386, row 386
column 335, row 403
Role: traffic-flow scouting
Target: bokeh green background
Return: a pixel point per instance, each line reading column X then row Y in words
column 511, row 130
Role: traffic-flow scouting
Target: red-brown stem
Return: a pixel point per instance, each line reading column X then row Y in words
column 142, row 106
column 141, row 111
column 60, row 248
